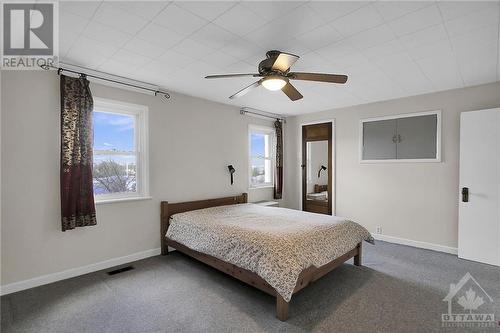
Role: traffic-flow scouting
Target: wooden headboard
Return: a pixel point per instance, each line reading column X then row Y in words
column 169, row 209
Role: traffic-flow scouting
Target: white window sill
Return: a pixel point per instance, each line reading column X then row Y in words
column 106, row 201
column 260, row 187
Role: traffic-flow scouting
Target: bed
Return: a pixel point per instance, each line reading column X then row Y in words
column 279, row 251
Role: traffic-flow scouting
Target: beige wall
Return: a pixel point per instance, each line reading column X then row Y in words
column 191, row 143
column 416, row 201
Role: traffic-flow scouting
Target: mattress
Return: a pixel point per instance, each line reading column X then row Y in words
column 275, row 243
column 321, row 196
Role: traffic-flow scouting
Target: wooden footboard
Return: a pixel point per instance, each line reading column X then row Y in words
column 306, row 277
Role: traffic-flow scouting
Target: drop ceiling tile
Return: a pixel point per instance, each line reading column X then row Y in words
column 118, row 68
column 144, row 9
column 454, row 9
column 477, row 42
column 214, row 36
column 300, row 20
column 239, row 20
column 270, row 10
column 443, row 71
column 111, row 15
column 479, row 69
column 130, row 58
column 351, row 60
column 391, row 10
column 84, row 9
column 175, row 59
column 385, row 49
column 240, row 67
column 106, row 34
column 319, row 37
column 362, row 19
column 179, row 20
column 415, row 21
column 311, row 62
column 336, row 50
column 66, row 40
column 219, row 59
column 144, row 48
column 209, row 10
column 438, row 49
column 193, row 49
column 72, row 22
column 372, row 37
column 160, row 36
column 332, row 10
column 104, row 50
column 425, row 36
column 82, row 55
column 473, row 21
column 242, row 49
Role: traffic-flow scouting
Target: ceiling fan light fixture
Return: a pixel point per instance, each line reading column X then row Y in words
column 274, row 83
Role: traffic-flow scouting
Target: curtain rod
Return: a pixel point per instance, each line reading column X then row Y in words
column 62, row 69
column 260, row 113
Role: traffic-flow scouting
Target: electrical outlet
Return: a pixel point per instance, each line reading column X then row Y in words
column 378, row 230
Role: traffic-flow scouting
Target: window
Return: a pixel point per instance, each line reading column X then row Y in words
column 120, row 151
column 261, row 146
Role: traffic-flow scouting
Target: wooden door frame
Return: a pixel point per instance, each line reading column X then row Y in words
column 332, row 162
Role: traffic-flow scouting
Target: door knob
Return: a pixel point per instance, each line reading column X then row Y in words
column 302, row 166
column 465, row 194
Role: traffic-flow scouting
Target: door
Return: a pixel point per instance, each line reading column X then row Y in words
column 479, row 212
column 317, row 175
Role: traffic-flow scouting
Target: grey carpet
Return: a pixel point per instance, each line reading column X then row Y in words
column 399, row 289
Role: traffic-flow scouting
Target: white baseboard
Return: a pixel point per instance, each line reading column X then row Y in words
column 414, row 243
column 49, row 278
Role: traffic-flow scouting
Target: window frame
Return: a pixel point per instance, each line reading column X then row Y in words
column 437, row 159
column 267, row 130
column 141, row 147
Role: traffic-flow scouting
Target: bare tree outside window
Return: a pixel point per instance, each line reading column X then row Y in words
column 113, row 177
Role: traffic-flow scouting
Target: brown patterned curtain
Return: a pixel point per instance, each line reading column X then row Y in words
column 77, row 194
column 278, row 183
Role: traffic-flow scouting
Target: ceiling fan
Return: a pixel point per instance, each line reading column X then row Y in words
column 275, row 74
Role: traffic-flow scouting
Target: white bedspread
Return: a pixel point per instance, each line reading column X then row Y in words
column 275, row 243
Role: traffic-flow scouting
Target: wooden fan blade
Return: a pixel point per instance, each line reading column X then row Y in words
column 223, row 76
column 284, row 61
column 332, row 78
column 246, row 89
column 291, row 92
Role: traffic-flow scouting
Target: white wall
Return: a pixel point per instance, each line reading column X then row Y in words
column 416, row 201
column 191, row 143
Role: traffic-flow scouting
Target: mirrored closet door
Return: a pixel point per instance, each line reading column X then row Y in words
column 316, row 168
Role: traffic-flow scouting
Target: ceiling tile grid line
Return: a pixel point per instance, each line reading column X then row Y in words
column 453, row 48
column 187, row 37
column 397, row 38
column 89, row 21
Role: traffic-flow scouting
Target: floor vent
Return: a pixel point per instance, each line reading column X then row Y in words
column 121, row 270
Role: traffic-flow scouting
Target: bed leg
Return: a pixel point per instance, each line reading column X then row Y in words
column 164, row 247
column 281, row 308
column 357, row 257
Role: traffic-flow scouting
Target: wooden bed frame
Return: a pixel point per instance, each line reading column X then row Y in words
column 306, row 277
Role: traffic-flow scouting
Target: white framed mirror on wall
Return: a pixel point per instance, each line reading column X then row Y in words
column 413, row 137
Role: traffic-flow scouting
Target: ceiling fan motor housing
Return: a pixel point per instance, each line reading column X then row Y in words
column 265, row 66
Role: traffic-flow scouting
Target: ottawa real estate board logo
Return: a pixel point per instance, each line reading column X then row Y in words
column 468, row 305
column 29, row 35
